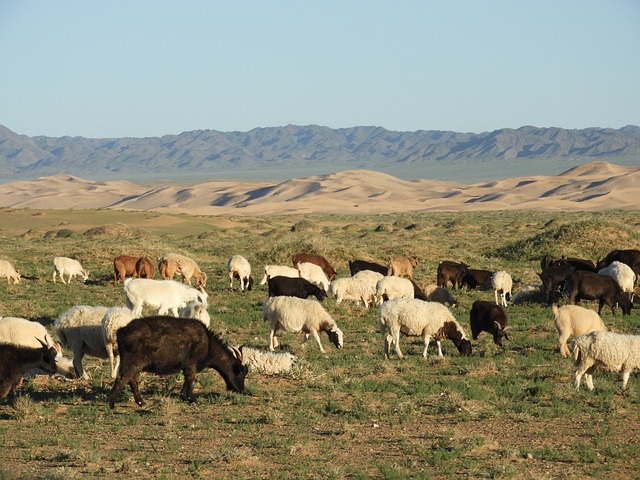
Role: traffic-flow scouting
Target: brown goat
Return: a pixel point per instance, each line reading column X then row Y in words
column 15, row 361
column 123, row 266
column 145, row 268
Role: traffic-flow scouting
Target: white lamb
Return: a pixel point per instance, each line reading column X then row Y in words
column 27, row 333
column 162, row 295
column 268, row 363
column 114, row 319
column 573, row 321
column 415, row 317
column 356, row 289
column 607, row 351
column 502, row 285
column 71, row 267
column 197, row 310
column 278, row 271
column 623, row 275
column 434, row 293
column 239, row 267
column 8, row 271
column 80, row 330
column 314, row 274
column 292, row 314
column 393, row 287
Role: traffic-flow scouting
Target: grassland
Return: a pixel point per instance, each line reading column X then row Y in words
column 500, row 413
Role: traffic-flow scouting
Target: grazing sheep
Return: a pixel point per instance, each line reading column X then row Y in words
column 8, row 271
column 62, row 265
column 438, row 294
column 488, row 317
column 313, row 273
column 162, row 295
column 197, row 310
column 529, row 293
column 239, row 267
column 393, row 287
column 419, row 318
column 607, row 351
column 294, row 287
column 318, row 260
column 114, row 319
column 80, row 329
column 124, row 266
column 16, row 360
column 145, row 268
column 294, row 315
column 356, row 289
column 623, row 275
column 173, row 263
column 502, row 284
column 268, row 363
column 402, row 266
column 278, row 271
column 573, row 321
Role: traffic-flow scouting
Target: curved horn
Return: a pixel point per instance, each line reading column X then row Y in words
column 236, row 352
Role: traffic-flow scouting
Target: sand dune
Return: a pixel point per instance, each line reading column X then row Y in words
column 595, row 186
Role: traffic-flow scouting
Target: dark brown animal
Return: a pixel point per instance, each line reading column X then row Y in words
column 145, row 268
column 167, row 345
column 488, row 317
column 356, row 266
column 317, row 260
column 554, row 279
column 124, row 266
column 576, row 263
column 476, row 278
column 16, row 360
column 280, row 286
column 592, row 286
column 449, row 271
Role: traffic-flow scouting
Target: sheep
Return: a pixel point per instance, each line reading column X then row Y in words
column 416, row 317
column 573, row 321
column 62, row 265
column 529, row 293
column 393, row 287
column 294, row 315
column 114, row 319
column 278, row 271
column 488, row 317
column 623, row 275
column 318, row 260
column 314, row 274
column 80, row 329
column 354, row 288
column 197, row 310
column 438, row 294
column 16, row 360
column 239, row 267
column 502, row 284
column 123, row 266
column 27, row 333
column 294, row 287
column 162, row 295
column 605, row 350
column 173, row 263
column 268, row 363
column 402, row 266
column 8, row 271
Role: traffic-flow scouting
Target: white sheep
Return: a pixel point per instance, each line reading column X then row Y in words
column 27, row 333
column 354, row 289
column 172, row 263
column 529, row 293
column 393, row 287
column 162, row 295
column 8, row 271
column 314, row 274
column 268, row 363
column 415, row 317
column 609, row 351
column 502, row 284
column 197, row 310
column 294, row 315
column 573, row 321
column 113, row 319
column 278, row 271
column 623, row 275
column 434, row 293
column 71, row 267
column 239, row 267
column 80, row 329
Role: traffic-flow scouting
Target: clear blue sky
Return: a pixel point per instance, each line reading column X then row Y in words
column 150, row 68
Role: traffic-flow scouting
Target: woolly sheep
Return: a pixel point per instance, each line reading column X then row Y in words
column 114, row 319
column 502, row 284
column 162, row 295
column 278, row 271
column 529, row 293
column 268, row 363
column 419, row 318
column 573, row 321
column 314, row 274
column 438, row 294
column 239, row 267
column 293, row 314
column 623, row 275
column 8, row 271
column 80, row 329
column 355, row 289
column 62, row 265
column 393, row 287
column 607, row 351
column 172, row 263
column 197, row 310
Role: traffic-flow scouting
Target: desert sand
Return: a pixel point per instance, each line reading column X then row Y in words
column 594, row 186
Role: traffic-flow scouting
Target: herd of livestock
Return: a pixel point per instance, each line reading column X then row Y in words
column 177, row 338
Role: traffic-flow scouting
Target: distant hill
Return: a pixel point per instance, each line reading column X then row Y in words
column 285, row 152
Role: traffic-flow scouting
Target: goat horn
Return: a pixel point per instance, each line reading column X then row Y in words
column 237, row 353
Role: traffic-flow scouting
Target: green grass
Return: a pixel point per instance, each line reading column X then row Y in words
column 500, row 413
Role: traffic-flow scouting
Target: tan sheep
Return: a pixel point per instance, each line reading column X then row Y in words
column 572, row 321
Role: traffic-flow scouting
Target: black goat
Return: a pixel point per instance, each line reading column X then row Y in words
column 356, row 266
column 592, row 286
column 16, row 360
column 294, row 287
column 488, row 317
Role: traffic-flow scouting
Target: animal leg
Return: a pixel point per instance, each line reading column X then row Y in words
column 111, row 360
column 564, row 350
column 625, row 379
column 187, row 389
column 317, row 338
column 273, row 341
column 133, row 383
column 118, row 386
column 396, row 341
column 77, row 365
column 439, row 344
column 5, row 388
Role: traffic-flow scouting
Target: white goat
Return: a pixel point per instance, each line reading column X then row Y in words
column 573, row 321
column 268, row 363
column 114, row 319
column 314, row 274
column 415, row 317
column 239, row 267
column 197, row 310
column 71, row 267
column 393, row 287
column 502, row 285
column 80, row 330
column 278, row 271
column 292, row 314
column 8, row 271
column 623, row 275
column 162, row 295
column 607, row 351
column 173, row 263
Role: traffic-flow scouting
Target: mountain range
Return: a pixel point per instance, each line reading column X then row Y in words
column 279, row 153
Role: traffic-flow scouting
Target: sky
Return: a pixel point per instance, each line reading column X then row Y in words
column 150, row 68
